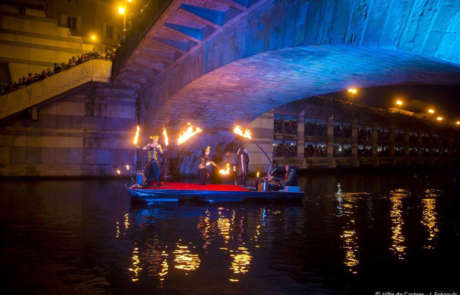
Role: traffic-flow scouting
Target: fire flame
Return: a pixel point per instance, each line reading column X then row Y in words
column 165, row 134
column 186, row 135
column 136, row 138
column 239, row 131
column 225, row 172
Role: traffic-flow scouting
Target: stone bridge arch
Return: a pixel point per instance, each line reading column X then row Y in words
column 190, row 52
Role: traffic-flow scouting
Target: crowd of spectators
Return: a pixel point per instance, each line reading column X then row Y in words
column 342, row 130
column 399, row 151
column 287, row 149
column 425, row 138
column 383, row 135
column 399, row 135
column 364, row 151
column 285, row 125
column 74, row 61
column 413, row 137
column 278, row 149
column 278, row 126
column 364, row 134
column 315, row 129
column 342, row 150
column 136, row 24
column 383, row 151
column 319, row 151
column 290, row 150
column 425, row 152
column 413, row 152
column 290, row 126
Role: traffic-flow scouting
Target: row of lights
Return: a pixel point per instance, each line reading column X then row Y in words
column 399, row 102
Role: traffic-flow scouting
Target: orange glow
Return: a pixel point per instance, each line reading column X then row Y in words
column 353, row 90
column 258, row 174
column 165, row 134
column 93, row 37
column 186, row 135
column 121, row 10
column 118, row 171
column 399, row 102
column 239, row 131
column 226, row 171
column 439, row 118
column 136, row 137
column 431, row 111
column 458, row 123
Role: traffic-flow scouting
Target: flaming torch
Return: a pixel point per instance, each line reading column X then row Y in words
column 136, row 137
column 186, row 135
column 165, row 134
column 136, row 152
column 239, row 131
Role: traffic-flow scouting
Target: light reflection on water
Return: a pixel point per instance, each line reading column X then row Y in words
column 346, row 205
column 350, row 228
column 430, row 216
column 398, row 246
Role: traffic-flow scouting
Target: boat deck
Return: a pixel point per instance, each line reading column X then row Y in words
column 178, row 191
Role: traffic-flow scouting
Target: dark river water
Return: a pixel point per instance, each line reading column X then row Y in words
column 354, row 233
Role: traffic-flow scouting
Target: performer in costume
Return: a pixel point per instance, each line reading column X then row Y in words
column 290, row 179
column 243, row 163
column 203, row 172
column 152, row 169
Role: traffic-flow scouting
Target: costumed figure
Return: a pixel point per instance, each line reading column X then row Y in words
column 203, row 172
column 152, row 168
column 290, row 179
column 243, row 163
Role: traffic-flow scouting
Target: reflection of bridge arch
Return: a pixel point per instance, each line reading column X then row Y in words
column 243, row 90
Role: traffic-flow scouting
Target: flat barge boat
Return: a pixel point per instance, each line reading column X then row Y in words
column 178, row 191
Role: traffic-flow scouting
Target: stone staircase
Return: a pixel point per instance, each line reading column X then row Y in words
column 91, row 71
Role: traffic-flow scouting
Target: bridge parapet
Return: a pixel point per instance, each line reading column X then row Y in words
column 91, row 71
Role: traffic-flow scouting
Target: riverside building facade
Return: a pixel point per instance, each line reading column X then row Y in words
column 321, row 132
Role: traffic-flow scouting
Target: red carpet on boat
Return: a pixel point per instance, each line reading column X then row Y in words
column 198, row 187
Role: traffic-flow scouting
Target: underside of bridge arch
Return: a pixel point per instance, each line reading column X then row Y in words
column 241, row 91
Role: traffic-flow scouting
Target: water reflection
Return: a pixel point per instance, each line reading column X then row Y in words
column 185, row 259
column 206, row 228
column 429, row 216
column 398, row 241
column 136, row 269
column 346, row 205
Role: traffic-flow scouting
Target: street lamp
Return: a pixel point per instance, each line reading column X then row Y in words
column 399, row 103
column 440, row 118
column 123, row 10
column 431, row 111
column 93, row 37
column 458, row 122
column 352, row 91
